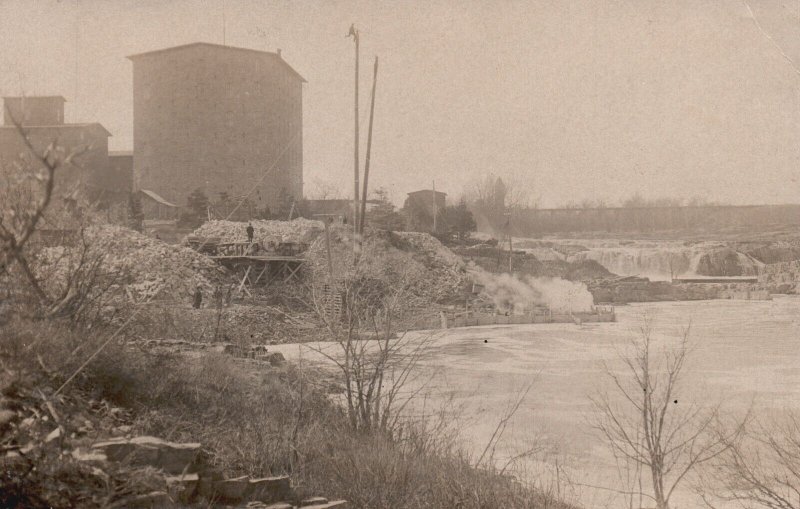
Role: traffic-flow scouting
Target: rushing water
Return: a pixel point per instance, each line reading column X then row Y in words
column 746, row 352
column 657, row 260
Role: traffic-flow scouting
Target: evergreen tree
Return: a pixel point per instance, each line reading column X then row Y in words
column 460, row 220
column 197, row 209
column 383, row 215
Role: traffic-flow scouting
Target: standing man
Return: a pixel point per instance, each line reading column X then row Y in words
column 250, row 233
column 198, row 297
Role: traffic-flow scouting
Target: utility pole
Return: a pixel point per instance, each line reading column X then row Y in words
column 435, row 212
column 354, row 34
column 369, row 150
column 508, row 233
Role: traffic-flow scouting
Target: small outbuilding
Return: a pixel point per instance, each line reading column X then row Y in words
column 154, row 207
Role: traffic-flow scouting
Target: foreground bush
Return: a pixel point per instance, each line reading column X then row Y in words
column 256, row 422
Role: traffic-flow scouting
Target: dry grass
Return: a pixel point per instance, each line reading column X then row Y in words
column 265, row 422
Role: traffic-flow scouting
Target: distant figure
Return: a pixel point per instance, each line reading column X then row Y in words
column 158, row 237
column 250, row 233
column 198, row 297
column 218, row 298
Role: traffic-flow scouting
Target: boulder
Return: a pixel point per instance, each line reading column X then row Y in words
column 313, row 501
column 173, row 458
column 276, row 359
column 147, row 501
column 269, row 489
column 231, row 490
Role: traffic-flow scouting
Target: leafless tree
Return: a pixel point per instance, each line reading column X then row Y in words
column 26, row 194
column 367, row 311
column 653, row 425
column 760, row 467
column 73, row 282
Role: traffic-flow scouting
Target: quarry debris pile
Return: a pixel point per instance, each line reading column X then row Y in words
column 143, row 266
column 266, row 232
column 432, row 272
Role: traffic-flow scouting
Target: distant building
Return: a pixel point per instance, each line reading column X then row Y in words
column 120, row 164
column 42, row 119
column 156, row 208
column 420, row 208
column 222, row 119
column 340, row 208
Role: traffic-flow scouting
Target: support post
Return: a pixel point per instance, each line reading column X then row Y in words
column 354, row 34
column 363, row 214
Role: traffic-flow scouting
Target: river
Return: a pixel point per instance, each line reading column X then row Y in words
column 745, row 353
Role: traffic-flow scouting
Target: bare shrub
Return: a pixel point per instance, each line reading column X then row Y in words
column 760, row 467
column 367, row 312
column 646, row 426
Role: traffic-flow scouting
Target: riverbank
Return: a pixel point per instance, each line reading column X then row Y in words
column 745, row 353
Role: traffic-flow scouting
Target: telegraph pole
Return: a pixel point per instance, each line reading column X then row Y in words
column 510, row 250
column 354, row 34
column 369, row 151
column 434, row 206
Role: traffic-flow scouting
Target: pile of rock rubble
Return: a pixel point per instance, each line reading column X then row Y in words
column 266, row 232
column 142, row 267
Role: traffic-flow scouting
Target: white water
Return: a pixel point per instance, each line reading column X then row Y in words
column 657, row 260
column 745, row 351
column 656, row 263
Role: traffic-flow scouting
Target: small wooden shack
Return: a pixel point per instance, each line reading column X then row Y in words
column 155, row 207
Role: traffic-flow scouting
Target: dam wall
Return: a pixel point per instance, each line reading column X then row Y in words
column 650, row 219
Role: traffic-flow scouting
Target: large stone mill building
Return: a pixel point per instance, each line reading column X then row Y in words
column 218, row 118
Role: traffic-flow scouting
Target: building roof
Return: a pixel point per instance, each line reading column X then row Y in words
column 426, row 191
column 156, row 197
column 218, row 46
column 34, row 97
column 60, row 126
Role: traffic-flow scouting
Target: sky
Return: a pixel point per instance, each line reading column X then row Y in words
column 572, row 100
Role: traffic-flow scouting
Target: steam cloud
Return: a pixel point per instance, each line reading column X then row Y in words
column 558, row 294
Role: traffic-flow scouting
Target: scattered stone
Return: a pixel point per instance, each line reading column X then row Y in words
column 232, row 490
column 183, row 487
column 276, row 359
column 56, row 433
column 89, row 456
column 279, row 505
column 313, row 501
column 6, row 417
column 155, row 499
column 269, row 489
column 173, row 458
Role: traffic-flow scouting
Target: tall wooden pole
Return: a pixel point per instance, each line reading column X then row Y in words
column 435, row 212
column 354, row 34
column 369, row 149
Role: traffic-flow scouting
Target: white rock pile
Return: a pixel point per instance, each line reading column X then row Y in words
column 266, row 232
column 145, row 267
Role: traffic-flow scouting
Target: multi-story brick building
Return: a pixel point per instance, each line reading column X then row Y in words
column 42, row 121
column 218, row 118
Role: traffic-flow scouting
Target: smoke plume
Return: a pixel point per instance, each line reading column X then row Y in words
column 509, row 291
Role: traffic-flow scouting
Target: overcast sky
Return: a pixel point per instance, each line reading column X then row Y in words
column 579, row 100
